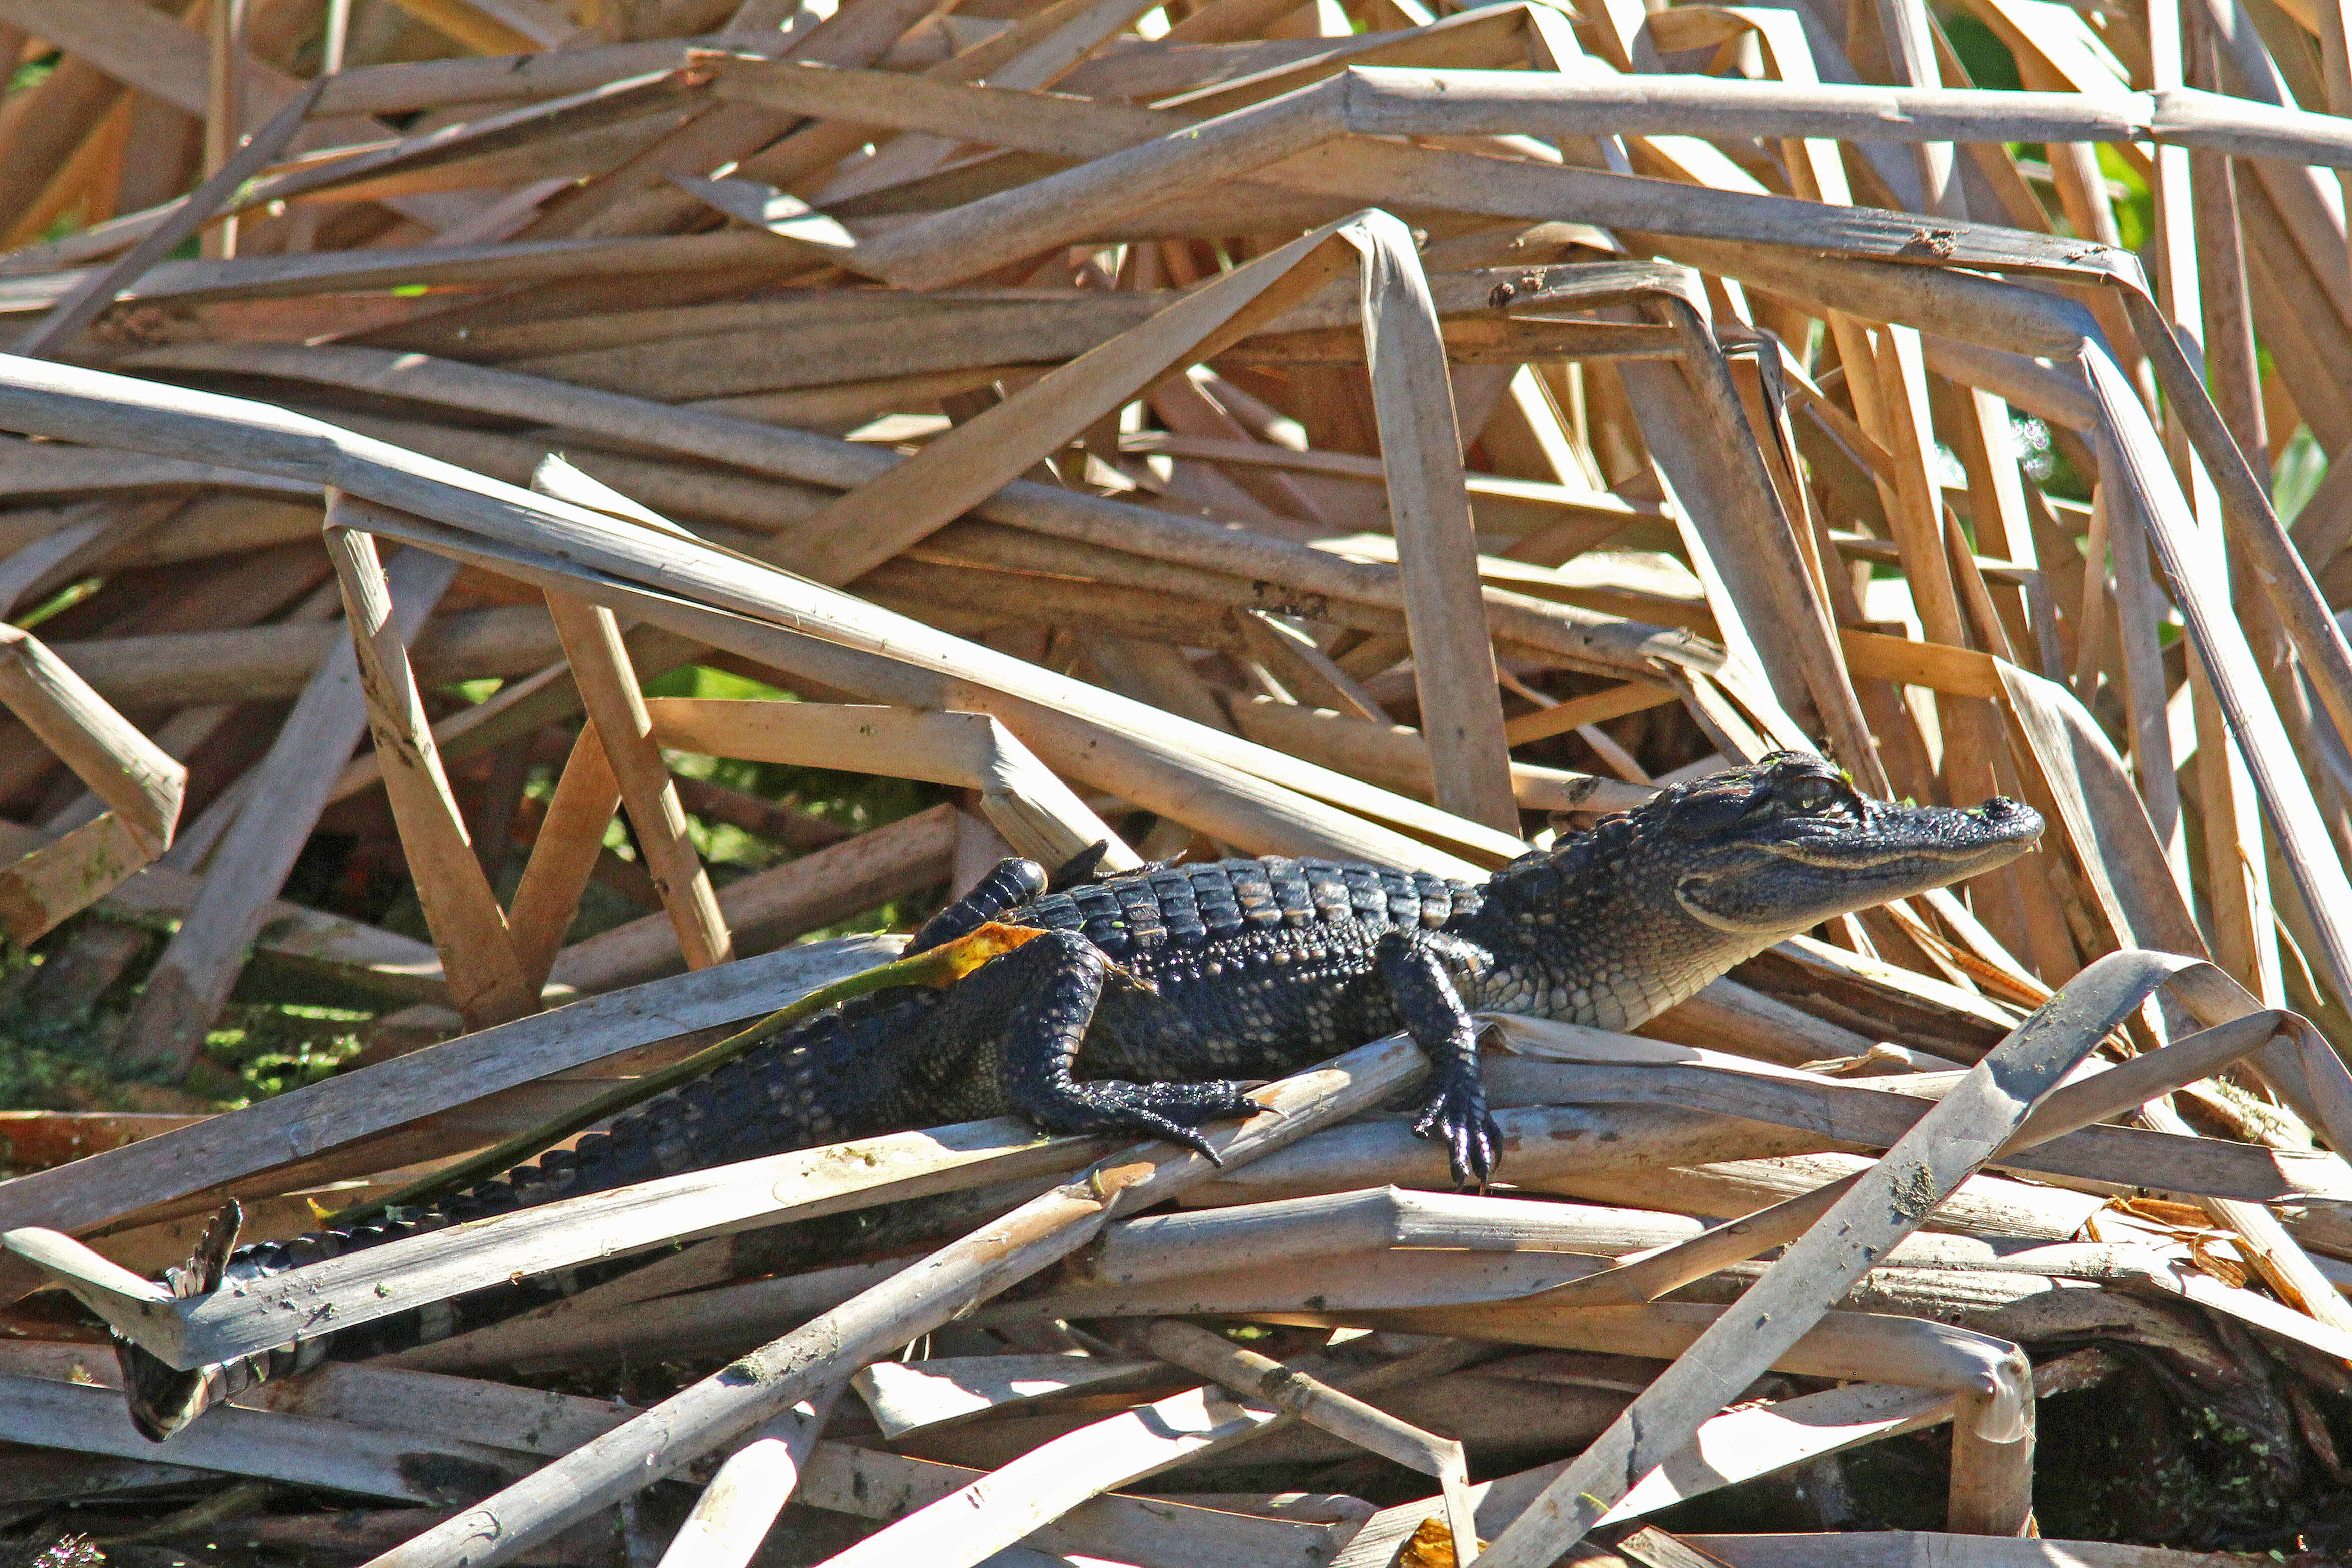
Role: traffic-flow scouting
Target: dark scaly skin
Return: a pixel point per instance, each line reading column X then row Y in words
column 1157, row 998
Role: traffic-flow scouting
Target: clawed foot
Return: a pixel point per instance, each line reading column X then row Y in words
column 1171, row 1111
column 1455, row 1115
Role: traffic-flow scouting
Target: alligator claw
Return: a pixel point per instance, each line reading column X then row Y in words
column 1153, row 1124
column 1456, row 1116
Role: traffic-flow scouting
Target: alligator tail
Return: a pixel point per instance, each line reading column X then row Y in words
column 161, row 1398
column 841, row 1075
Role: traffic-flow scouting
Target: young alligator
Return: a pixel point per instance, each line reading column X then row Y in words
column 1157, row 997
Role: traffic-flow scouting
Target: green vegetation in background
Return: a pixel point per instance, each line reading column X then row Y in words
column 1990, row 64
column 2296, row 474
column 289, row 1024
column 274, row 1047
column 32, row 73
column 64, row 599
column 2135, row 213
column 47, row 1062
column 701, row 681
column 858, row 802
column 1983, row 55
column 54, row 1058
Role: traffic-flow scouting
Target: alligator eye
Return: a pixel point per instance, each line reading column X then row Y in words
column 1812, row 794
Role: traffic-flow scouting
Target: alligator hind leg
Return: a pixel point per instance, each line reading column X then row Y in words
column 1014, row 883
column 1035, row 1004
column 1455, row 1113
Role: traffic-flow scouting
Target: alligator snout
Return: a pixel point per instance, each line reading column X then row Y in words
column 2009, row 820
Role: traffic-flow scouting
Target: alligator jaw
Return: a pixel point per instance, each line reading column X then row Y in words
column 1962, row 842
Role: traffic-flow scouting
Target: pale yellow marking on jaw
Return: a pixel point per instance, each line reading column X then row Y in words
column 1948, row 858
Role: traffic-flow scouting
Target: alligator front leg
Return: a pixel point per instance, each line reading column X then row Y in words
column 1036, row 1003
column 1413, row 965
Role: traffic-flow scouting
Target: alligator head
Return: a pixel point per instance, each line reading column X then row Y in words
column 1652, row 904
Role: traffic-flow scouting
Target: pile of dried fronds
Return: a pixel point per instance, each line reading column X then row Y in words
column 1206, row 426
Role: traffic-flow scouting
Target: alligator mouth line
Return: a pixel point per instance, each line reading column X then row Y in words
column 1859, row 862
